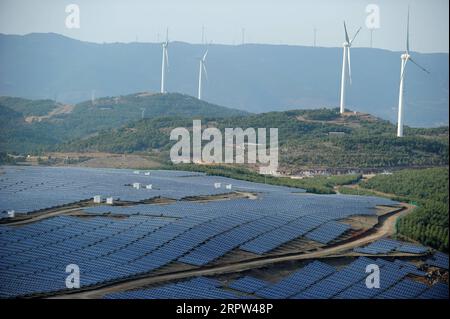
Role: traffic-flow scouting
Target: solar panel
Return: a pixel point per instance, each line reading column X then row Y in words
column 381, row 246
column 327, row 232
column 298, row 281
column 405, row 289
column 438, row 260
column 437, row 291
column 248, row 284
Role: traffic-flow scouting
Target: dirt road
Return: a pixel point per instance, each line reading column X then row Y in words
column 37, row 217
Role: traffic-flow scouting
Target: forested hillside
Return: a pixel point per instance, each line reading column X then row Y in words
column 33, row 126
column 428, row 188
column 314, row 138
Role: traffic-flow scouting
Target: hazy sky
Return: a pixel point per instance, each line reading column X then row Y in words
column 265, row 21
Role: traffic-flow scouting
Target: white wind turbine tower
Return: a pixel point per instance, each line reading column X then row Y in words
column 200, row 73
column 165, row 62
column 405, row 58
column 346, row 59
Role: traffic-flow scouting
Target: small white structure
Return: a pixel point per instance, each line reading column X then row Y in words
column 149, row 186
column 147, row 173
column 137, row 185
column 110, row 200
column 11, row 213
column 217, row 185
column 97, row 199
column 136, row 172
column 228, row 186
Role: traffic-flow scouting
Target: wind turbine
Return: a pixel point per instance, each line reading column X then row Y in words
column 405, row 57
column 200, row 72
column 346, row 59
column 165, row 61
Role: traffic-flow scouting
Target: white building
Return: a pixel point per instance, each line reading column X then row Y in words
column 97, row 199
column 137, row 185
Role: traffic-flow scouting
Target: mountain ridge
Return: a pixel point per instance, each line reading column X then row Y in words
column 307, row 138
column 253, row 77
column 27, row 126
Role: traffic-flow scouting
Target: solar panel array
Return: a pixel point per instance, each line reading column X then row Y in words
column 327, row 232
column 198, row 288
column 248, row 284
column 33, row 257
column 384, row 246
column 301, row 279
column 439, row 260
column 315, row 280
column 437, row 291
column 27, row 189
column 405, row 289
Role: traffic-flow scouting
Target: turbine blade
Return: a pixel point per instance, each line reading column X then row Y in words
column 407, row 32
column 204, row 56
column 349, row 66
column 420, row 67
column 204, row 70
column 346, row 33
column 355, row 35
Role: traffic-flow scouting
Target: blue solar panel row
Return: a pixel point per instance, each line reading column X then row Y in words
column 112, row 247
column 281, row 235
column 26, row 189
column 315, row 280
column 337, row 282
column 405, row 289
column 191, row 289
column 248, row 284
column 223, row 243
column 385, row 246
column 298, row 281
column 390, row 274
column 413, row 249
column 327, row 232
column 439, row 260
column 437, row 291
column 381, row 246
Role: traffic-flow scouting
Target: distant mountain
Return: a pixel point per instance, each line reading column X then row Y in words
column 307, row 138
column 251, row 77
column 32, row 125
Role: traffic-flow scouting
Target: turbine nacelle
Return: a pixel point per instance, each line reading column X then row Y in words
column 405, row 56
